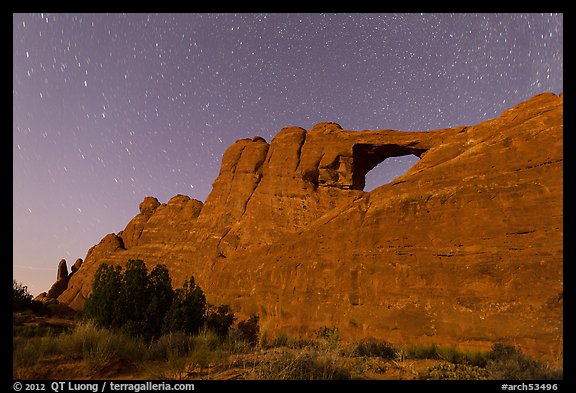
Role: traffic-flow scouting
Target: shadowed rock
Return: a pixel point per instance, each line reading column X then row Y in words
column 76, row 266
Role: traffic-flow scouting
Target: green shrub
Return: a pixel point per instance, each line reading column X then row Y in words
column 371, row 364
column 42, row 329
column 28, row 330
column 250, row 329
column 446, row 352
column 207, row 338
column 206, row 349
column 328, row 338
column 99, row 345
column 161, row 299
column 508, row 362
column 170, row 345
column 474, row 358
column 501, row 351
column 101, row 305
column 371, row 347
column 27, row 351
column 220, row 319
column 455, row 372
column 132, row 300
column 304, row 366
column 22, row 300
column 422, row 352
column 87, row 341
column 236, row 343
column 280, row 340
column 188, row 310
column 143, row 304
column 301, row 343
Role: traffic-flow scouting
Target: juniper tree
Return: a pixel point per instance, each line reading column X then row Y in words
column 188, row 310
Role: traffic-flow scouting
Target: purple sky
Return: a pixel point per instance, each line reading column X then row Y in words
column 110, row 108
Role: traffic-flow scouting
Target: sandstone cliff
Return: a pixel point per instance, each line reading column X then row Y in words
column 466, row 248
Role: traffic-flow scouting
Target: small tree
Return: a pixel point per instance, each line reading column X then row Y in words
column 249, row 329
column 220, row 319
column 188, row 310
column 22, row 299
column 133, row 300
column 161, row 298
column 101, row 305
column 145, row 305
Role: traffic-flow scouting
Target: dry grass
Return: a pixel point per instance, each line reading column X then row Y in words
column 87, row 351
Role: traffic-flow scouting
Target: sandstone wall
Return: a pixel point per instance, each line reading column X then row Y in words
column 466, row 248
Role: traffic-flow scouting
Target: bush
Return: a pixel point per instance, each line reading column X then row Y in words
column 280, row 340
column 446, row 352
column 145, row 305
column 249, row 329
column 236, row 343
column 422, row 352
column 101, row 305
column 94, row 345
column 206, row 338
column 206, row 348
column 170, row 345
column 304, row 366
column 22, row 300
column 31, row 330
column 188, row 310
column 508, row 362
column 455, row 372
column 161, row 298
column 328, row 338
column 131, row 306
column 371, row 347
column 220, row 319
column 27, row 351
column 99, row 345
column 502, row 351
column 132, row 301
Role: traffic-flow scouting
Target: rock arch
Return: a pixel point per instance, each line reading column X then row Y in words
column 366, row 156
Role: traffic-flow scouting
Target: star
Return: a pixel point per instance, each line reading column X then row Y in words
column 157, row 99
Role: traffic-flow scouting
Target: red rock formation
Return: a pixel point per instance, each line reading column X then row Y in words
column 75, row 267
column 61, row 281
column 465, row 248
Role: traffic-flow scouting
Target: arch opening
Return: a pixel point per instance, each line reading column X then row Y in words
column 392, row 161
column 388, row 170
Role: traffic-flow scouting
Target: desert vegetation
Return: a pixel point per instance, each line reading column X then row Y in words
column 145, row 305
column 174, row 334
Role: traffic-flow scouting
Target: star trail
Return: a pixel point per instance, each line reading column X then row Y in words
column 110, row 108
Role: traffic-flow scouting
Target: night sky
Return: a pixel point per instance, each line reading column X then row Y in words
column 110, row 108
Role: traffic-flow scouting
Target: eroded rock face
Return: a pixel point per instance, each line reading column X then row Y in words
column 465, row 248
column 58, row 288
